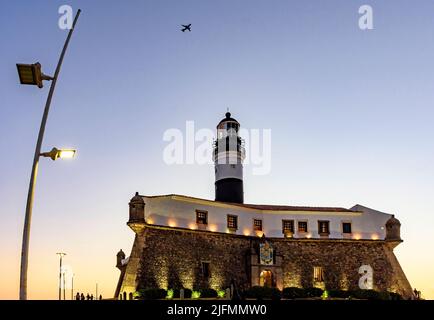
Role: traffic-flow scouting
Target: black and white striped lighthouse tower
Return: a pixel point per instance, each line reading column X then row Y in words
column 228, row 160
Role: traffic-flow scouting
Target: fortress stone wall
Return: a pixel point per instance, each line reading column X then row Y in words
column 172, row 258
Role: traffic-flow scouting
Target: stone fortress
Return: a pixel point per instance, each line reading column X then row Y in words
column 187, row 242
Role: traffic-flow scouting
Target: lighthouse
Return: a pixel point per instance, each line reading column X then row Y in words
column 229, row 154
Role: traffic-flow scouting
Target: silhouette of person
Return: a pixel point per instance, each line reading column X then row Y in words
column 100, row 297
column 77, row 296
column 91, row 297
column 88, row 297
column 416, row 294
column 82, row 296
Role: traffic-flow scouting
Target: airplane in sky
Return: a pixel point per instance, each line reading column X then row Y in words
column 186, row 27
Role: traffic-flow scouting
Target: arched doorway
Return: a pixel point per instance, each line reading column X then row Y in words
column 266, row 278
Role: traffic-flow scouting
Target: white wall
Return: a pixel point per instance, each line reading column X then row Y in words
column 180, row 211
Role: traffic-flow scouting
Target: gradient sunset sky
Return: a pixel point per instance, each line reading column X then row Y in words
column 351, row 114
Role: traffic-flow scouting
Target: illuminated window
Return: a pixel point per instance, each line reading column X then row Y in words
column 205, row 269
column 288, row 226
column 201, row 217
column 324, row 227
column 346, row 227
column 232, row 222
column 318, row 274
column 302, row 226
column 257, row 224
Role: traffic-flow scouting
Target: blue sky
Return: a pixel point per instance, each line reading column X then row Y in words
column 350, row 112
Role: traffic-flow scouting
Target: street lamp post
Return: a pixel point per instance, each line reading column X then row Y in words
column 38, row 76
column 72, row 286
column 64, row 285
column 61, row 255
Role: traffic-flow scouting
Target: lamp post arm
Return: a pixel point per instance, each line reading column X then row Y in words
column 30, row 195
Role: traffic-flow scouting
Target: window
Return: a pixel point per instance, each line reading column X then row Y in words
column 323, row 227
column 346, row 227
column 201, row 217
column 302, row 226
column 257, row 224
column 288, row 226
column 205, row 269
column 318, row 274
column 232, row 222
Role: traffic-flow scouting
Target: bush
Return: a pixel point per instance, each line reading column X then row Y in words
column 170, row 294
column 384, row 295
column 299, row 293
column 276, row 294
column 221, row 293
column 261, row 293
column 395, row 296
column 208, row 293
column 365, row 294
column 368, row 295
column 187, row 293
column 343, row 294
column 313, row 292
column 152, row 294
column 293, row 293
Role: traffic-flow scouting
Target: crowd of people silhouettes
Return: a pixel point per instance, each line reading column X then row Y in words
column 81, row 296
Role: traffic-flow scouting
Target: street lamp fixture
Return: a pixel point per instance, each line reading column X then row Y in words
column 55, row 154
column 31, row 74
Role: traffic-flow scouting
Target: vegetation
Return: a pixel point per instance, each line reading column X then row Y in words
column 177, row 292
column 364, row 294
column 262, row 293
column 221, row 293
column 342, row 294
column 267, row 293
column 208, row 293
column 151, row 294
column 293, row 293
column 313, row 292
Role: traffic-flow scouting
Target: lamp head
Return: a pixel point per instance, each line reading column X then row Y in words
column 55, row 154
column 31, row 74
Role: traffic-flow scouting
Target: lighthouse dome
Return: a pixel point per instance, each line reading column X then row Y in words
column 228, row 122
